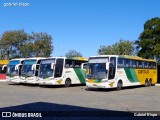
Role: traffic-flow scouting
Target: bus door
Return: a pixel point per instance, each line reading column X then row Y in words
column 112, row 68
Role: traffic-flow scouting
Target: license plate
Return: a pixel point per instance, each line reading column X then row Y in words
column 94, row 84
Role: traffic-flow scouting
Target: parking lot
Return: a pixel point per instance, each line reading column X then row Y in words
column 77, row 98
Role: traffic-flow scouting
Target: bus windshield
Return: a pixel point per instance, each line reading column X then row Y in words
column 27, row 68
column 97, row 70
column 45, row 71
column 27, row 71
column 11, row 70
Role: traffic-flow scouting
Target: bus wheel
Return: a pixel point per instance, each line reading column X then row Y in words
column 146, row 83
column 67, row 82
column 150, row 82
column 119, row 85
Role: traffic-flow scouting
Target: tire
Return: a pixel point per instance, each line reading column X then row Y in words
column 67, row 82
column 146, row 83
column 150, row 82
column 119, row 85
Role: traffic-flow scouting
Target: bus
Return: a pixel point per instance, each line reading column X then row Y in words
column 28, row 73
column 62, row 71
column 3, row 64
column 14, row 71
column 117, row 71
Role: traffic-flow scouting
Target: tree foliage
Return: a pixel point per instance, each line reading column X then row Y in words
column 73, row 53
column 17, row 43
column 11, row 41
column 123, row 47
column 148, row 43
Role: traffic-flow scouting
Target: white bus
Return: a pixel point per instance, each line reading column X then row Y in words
column 62, row 71
column 115, row 71
column 14, row 71
column 29, row 74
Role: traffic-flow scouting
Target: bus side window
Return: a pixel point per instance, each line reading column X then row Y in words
column 85, row 66
column 127, row 63
column 145, row 64
column 120, row 63
column 133, row 63
column 68, row 63
column 113, row 61
column 140, row 64
column 77, row 66
column 149, row 65
column 153, row 65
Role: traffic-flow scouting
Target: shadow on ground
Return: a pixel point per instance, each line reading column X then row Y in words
column 114, row 89
column 60, row 111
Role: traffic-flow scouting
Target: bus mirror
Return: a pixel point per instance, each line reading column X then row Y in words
column 84, row 65
column 3, row 67
column 52, row 65
column 17, row 66
column 107, row 65
column 33, row 67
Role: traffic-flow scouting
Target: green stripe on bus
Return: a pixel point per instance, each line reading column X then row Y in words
column 97, row 80
column 128, row 73
column 80, row 74
column 134, row 76
column 131, row 75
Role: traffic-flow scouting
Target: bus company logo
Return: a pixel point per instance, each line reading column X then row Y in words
column 6, row 114
column 111, row 84
column 143, row 71
column 23, row 114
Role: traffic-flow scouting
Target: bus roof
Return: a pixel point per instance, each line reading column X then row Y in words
column 18, row 59
column 72, row 58
column 136, row 58
column 79, row 58
column 125, row 56
column 35, row 58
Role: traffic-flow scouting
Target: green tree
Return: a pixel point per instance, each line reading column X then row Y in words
column 43, row 44
column 73, row 53
column 148, row 43
column 17, row 43
column 123, row 47
column 38, row 45
column 11, row 41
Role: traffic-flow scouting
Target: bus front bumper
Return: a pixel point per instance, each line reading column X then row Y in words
column 46, row 82
column 30, row 80
column 98, row 85
column 13, row 81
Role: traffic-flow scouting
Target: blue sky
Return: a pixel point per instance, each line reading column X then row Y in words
column 81, row 25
